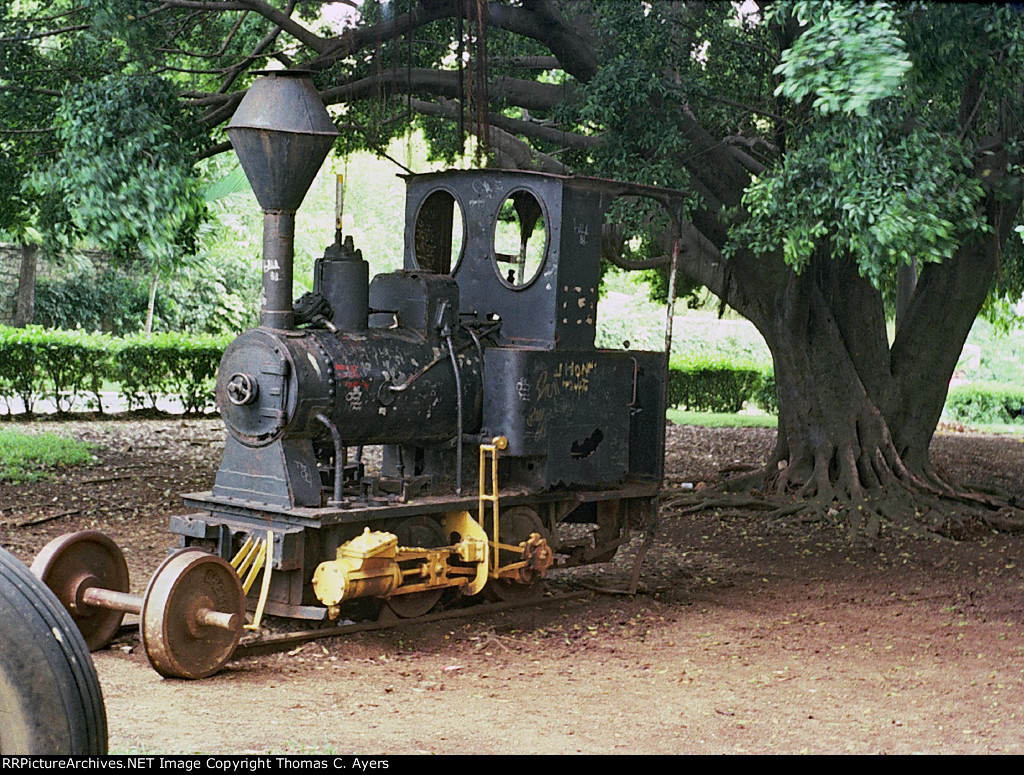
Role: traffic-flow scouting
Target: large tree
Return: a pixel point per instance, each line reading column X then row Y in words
column 826, row 145
column 95, row 147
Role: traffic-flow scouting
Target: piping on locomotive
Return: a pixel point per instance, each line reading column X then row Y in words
column 474, row 367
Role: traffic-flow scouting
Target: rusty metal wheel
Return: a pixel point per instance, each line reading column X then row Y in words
column 71, row 564
column 516, row 523
column 192, row 615
column 425, row 533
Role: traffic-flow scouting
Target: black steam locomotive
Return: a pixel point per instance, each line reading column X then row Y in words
column 473, row 374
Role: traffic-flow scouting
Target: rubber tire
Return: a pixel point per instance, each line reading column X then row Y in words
column 50, row 698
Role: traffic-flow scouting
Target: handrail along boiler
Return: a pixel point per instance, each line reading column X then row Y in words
column 473, row 367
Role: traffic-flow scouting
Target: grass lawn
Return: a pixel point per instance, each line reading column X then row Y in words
column 744, row 420
column 721, row 420
column 26, row 457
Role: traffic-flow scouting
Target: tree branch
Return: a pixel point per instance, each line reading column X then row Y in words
column 46, row 34
column 537, row 19
column 220, row 52
column 355, row 39
column 279, row 18
column 516, row 154
column 257, row 52
column 544, row 22
column 45, row 19
column 531, row 95
column 520, row 154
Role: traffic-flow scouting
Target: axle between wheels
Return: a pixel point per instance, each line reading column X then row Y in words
column 191, row 615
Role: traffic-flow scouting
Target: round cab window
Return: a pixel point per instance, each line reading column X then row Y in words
column 520, row 239
column 438, row 237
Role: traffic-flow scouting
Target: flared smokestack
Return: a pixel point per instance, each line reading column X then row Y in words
column 282, row 133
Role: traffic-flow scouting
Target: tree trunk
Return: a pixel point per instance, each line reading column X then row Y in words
column 906, row 281
column 856, row 415
column 25, row 305
column 836, row 452
column 152, row 303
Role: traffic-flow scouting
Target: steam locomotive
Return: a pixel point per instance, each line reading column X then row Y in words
column 472, row 371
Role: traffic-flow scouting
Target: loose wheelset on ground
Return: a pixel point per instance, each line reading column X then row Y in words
column 191, row 616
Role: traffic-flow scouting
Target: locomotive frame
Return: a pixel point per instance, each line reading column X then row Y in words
column 473, row 368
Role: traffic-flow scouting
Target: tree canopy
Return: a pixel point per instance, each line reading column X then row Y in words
column 825, row 144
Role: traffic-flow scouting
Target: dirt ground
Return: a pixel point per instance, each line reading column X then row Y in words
column 747, row 636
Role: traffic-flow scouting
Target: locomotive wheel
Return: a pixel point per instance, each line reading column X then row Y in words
column 50, row 700
column 425, row 533
column 72, row 563
column 516, row 524
column 187, row 584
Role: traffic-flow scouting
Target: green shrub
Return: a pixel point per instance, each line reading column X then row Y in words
column 192, row 365
column 110, row 301
column 64, row 365
column 985, row 402
column 712, row 383
column 169, row 364
column 764, row 394
column 72, row 363
column 116, row 301
column 138, row 372
column 20, row 373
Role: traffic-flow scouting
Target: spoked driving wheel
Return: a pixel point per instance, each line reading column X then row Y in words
column 422, row 532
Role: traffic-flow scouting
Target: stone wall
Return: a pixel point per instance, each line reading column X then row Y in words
column 10, row 274
column 10, row 271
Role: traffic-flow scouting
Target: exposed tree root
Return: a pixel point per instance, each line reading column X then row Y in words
column 921, row 503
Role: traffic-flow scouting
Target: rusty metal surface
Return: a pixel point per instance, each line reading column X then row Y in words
column 568, row 410
column 521, row 583
column 281, row 133
column 538, row 557
column 278, row 269
column 428, row 504
column 181, row 638
column 573, row 209
column 76, row 562
column 342, row 278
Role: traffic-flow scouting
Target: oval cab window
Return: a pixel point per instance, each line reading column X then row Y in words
column 438, row 236
column 520, row 239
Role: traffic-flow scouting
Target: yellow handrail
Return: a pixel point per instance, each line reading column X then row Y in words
column 490, row 451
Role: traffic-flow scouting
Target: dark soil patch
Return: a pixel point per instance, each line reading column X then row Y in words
column 748, row 635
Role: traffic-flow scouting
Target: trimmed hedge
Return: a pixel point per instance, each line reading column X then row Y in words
column 765, row 395
column 64, row 365
column 36, row 362
column 715, row 383
column 985, row 402
column 169, row 364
